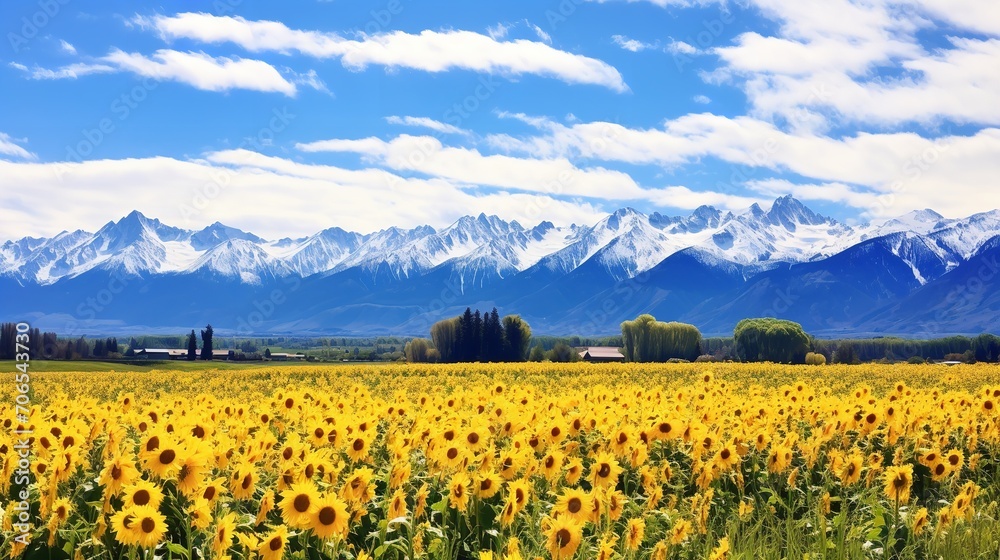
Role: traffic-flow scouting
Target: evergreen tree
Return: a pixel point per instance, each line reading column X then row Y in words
column 206, row 343
column 516, row 339
column 192, row 354
column 99, row 350
column 468, row 337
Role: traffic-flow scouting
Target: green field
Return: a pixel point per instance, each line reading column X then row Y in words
column 172, row 365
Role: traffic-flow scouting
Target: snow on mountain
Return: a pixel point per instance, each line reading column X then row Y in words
column 318, row 253
column 482, row 249
column 242, row 259
column 383, row 250
column 217, row 233
column 507, row 255
column 965, row 237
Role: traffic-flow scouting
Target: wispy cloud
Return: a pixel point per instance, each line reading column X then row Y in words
column 429, row 51
column 9, row 147
column 633, row 45
column 428, row 123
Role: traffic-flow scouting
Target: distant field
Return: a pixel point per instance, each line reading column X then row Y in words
column 170, row 365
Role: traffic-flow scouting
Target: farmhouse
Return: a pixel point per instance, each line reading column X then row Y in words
column 284, row 357
column 162, row 354
column 601, row 354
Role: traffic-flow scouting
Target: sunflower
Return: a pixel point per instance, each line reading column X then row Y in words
column 298, row 504
column 920, row 520
column 165, row 460
column 142, row 493
column 680, row 531
column 616, row 504
column 357, row 488
column 518, row 493
column 563, row 537
column 721, row 551
column 330, row 517
column 123, row 524
column 213, row 489
column 726, row 458
column 200, row 512
column 149, row 526
column 458, row 491
column 573, row 503
column 192, row 471
column 898, row 480
column 266, row 505
column 604, row 471
column 358, row 447
column 552, row 465
column 272, row 547
column 634, row 532
column 119, row 472
column 850, row 472
column 223, row 535
column 939, row 470
column 954, row 458
column 243, row 481
column 779, row 459
column 486, row 485
column 574, row 470
column 397, row 505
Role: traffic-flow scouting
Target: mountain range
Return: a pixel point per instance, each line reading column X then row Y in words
column 920, row 274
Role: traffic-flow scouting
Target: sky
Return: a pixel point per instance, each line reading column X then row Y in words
column 288, row 118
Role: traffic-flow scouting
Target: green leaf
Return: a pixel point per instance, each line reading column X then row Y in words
column 175, row 548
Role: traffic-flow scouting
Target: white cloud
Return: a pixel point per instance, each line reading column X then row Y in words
column 430, row 51
column 541, row 33
column 632, row 45
column 9, row 147
column 426, row 155
column 953, row 174
column 196, row 69
column 203, row 71
column 680, row 47
column 362, row 200
column 498, row 31
column 424, row 122
column 66, row 47
column 71, row 71
column 703, row 99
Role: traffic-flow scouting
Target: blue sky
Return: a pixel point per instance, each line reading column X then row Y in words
column 288, row 118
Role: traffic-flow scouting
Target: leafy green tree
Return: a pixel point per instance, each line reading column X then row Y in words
column 647, row 340
column 537, row 354
column 562, row 352
column 418, row 350
column 516, row 338
column 771, row 340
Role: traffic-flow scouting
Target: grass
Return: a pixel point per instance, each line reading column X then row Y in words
column 169, row 365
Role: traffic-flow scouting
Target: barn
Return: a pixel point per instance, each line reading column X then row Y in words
column 601, row 354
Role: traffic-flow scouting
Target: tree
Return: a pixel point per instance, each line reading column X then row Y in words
column 445, row 336
column 846, row 353
column 771, row 340
column 815, row 359
column 647, row 340
column 562, row 352
column 192, row 347
column 537, row 354
column 417, row 350
column 206, row 343
column 99, row 349
column 516, row 339
column 267, row 353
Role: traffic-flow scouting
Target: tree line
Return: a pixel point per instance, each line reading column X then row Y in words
column 473, row 336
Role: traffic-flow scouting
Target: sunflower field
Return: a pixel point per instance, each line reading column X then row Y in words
column 506, row 461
